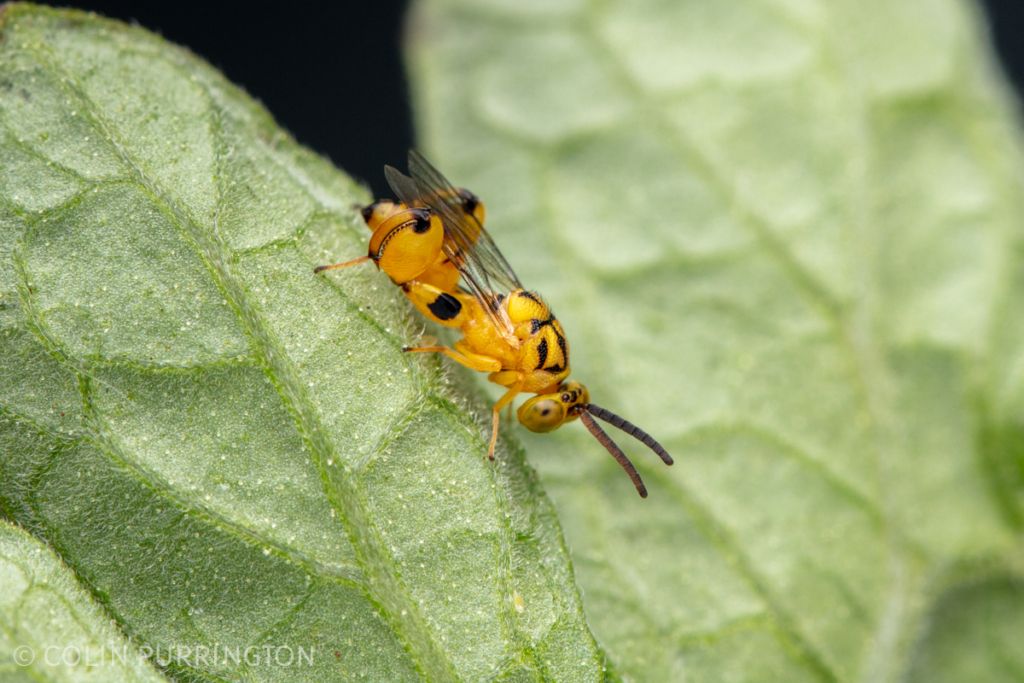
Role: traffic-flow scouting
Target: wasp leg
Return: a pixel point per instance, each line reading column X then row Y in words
column 473, row 361
column 505, row 400
column 505, row 378
column 343, row 264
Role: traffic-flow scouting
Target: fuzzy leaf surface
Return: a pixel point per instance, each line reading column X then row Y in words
column 51, row 629
column 226, row 450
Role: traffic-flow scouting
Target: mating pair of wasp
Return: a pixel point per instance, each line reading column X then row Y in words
column 432, row 244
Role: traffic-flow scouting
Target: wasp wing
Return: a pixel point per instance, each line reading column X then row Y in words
column 466, row 237
column 484, row 270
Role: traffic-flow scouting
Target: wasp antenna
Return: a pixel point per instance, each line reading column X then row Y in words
column 616, row 452
column 631, row 429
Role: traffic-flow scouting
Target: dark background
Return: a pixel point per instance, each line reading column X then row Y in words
column 314, row 66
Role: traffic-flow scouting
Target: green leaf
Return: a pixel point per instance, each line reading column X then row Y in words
column 226, row 450
column 784, row 237
column 50, row 629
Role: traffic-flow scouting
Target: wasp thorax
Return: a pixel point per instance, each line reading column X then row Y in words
column 524, row 306
column 406, row 243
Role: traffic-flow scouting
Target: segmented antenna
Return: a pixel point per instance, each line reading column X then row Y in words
column 616, row 452
column 631, row 429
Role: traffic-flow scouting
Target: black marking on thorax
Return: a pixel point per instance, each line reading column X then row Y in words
column 368, row 210
column 468, row 200
column 542, row 353
column 422, row 221
column 536, row 324
column 564, row 350
column 445, row 306
column 543, row 349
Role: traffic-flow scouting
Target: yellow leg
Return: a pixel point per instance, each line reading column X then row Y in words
column 343, row 264
column 496, row 414
column 473, row 361
column 505, row 378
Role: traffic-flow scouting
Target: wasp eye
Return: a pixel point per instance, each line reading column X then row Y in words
column 542, row 413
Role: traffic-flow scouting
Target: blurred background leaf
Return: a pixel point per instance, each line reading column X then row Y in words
column 786, row 238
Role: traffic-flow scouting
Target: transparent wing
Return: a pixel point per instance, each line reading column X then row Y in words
column 484, row 270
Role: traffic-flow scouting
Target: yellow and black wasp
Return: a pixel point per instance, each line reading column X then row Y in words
column 431, row 242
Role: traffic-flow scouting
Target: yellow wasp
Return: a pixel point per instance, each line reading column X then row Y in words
column 433, row 245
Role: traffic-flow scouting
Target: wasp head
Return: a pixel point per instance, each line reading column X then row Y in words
column 547, row 412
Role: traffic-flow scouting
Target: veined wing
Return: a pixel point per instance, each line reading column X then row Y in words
column 484, row 270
